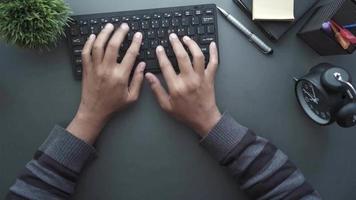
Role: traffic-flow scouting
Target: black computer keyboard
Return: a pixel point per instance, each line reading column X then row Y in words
column 198, row 22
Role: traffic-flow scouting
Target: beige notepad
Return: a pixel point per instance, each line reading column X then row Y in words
column 273, row 10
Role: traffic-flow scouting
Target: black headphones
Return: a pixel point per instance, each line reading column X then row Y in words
column 337, row 79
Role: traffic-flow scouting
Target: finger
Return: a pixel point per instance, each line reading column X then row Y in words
column 99, row 44
column 185, row 66
column 136, row 82
column 168, row 72
column 213, row 61
column 86, row 53
column 131, row 54
column 115, row 42
column 198, row 56
column 159, row 91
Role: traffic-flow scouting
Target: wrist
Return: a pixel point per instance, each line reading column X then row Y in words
column 208, row 122
column 86, row 126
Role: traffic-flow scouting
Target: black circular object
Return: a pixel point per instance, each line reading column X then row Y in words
column 346, row 117
column 329, row 80
column 313, row 101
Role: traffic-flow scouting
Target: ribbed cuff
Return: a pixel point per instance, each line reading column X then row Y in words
column 226, row 134
column 66, row 149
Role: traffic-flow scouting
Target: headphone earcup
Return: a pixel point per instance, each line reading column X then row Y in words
column 346, row 116
column 331, row 83
column 320, row 68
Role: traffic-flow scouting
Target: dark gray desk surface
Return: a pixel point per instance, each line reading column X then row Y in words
column 144, row 154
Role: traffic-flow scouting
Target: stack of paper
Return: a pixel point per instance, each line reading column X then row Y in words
column 273, row 10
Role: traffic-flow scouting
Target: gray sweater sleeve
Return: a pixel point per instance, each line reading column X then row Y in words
column 262, row 170
column 54, row 170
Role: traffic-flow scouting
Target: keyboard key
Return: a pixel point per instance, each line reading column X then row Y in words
column 167, row 15
column 211, row 29
column 141, row 55
column 93, row 21
column 150, row 54
column 164, row 43
column 160, row 33
column 155, row 24
column 175, row 22
column 145, row 25
column 205, row 49
column 130, row 35
column 151, row 34
column 181, row 31
column 83, row 22
column 198, row 12
column 165, row 23
column 191, row 30
column 177, row 14
column 209, row 11
column 104, row 20
column 157, row 16
column 206, row 39
column 188, row 13
column 74, row 30
column 78, row 71
column 154, row 44
column 208, row 20
column 201, row 30
column 77, row 51
column 125, row 19
column 171, row 30
column 146, row 16
column 185, row 21
column 134, row 26
column 84, row 30
column 144, row 44
column 136, row 18
column 115, row 19
column 78, row 41
column 195, row 20
column 78, row 61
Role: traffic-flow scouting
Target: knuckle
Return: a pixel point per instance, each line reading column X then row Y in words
column 97, row 47
column 199, row 56
column 181, row 55
column 132, row 51
column 112, row 46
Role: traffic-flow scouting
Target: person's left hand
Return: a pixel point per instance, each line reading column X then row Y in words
column 106, row 88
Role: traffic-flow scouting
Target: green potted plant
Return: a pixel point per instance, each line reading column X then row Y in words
column 34, row 24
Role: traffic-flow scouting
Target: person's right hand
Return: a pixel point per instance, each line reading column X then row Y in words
column 191, row 96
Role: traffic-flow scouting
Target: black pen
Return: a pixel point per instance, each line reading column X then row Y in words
column 251, row 37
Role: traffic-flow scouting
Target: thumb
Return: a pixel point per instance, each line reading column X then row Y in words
column 159, row 91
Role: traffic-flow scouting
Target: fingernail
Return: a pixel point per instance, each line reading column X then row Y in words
column 213, row 44
column 92, row 36
column 186, row 38
column 124, row 26
column 109, row 25
column 173, row 36
column 149, row 78
column 138, row 35
column 159, row 48
column 142, row 67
